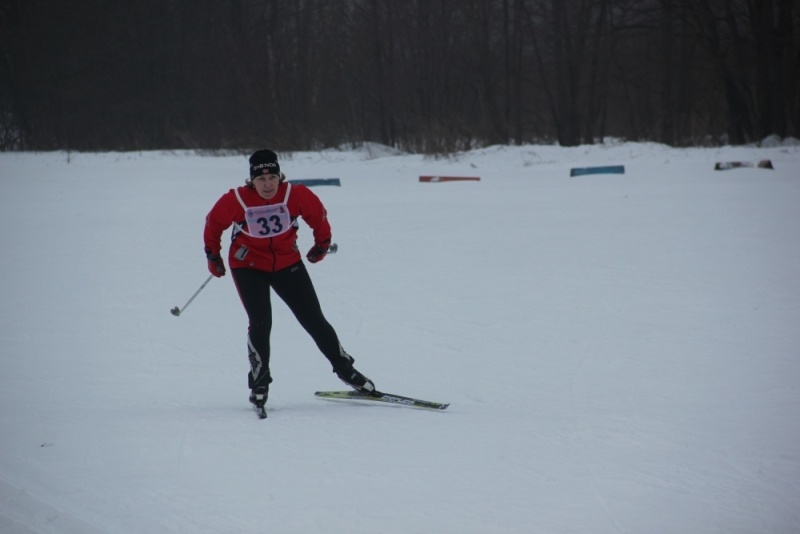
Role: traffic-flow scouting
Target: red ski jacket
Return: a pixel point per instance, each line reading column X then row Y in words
column 265, row 231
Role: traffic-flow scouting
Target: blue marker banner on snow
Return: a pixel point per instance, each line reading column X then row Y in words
column 311, row 182
column 610, row 169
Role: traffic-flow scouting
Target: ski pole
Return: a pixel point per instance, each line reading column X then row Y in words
column 177, row 311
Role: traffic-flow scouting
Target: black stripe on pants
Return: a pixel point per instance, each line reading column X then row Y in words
column 293, row 285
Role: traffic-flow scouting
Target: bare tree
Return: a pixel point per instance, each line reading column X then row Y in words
column 432, row 76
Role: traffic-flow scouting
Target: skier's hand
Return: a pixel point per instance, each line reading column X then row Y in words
column 318, row 252
column 215, row 264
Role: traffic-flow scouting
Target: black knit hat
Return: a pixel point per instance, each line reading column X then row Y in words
column 264, row 162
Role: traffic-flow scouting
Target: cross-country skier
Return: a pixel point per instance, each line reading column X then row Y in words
column 264, row 255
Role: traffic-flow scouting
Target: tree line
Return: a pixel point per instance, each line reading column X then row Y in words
column 426, row 76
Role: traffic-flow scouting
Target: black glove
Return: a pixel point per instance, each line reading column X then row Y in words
column 318, row 252
column 215, row 264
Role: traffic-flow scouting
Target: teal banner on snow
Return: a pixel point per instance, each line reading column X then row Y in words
column 611, row 169
column 310, row 182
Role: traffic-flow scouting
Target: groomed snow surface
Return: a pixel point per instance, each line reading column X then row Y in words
column 621, row 351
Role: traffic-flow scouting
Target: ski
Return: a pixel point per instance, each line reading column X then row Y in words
column 379, row 396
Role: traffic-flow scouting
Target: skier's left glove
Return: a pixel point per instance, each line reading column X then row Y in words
column 318, row 252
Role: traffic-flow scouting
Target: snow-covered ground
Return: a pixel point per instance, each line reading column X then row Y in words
column 622, row 352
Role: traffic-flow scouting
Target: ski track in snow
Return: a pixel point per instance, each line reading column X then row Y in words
column 26, row 513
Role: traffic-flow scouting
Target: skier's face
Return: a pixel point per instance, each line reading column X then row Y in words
column 266, row 185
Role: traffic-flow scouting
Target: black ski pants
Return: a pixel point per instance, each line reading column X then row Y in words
column 293, row 285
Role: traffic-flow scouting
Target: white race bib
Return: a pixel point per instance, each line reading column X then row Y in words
column 267, row 221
